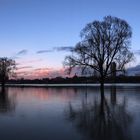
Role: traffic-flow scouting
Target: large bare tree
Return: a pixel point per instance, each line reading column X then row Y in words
column 103, row 44
column 7, row 67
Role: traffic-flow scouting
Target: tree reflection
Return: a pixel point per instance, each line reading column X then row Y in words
column 7, row 104
column 102, row 120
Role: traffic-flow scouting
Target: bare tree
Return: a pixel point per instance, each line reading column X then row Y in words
column 103, row 43
column 7, row 67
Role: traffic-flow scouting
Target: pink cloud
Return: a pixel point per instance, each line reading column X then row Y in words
column 40, row 73
column 28, row 72
column 24, row 67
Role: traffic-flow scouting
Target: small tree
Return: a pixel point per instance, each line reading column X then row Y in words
column 103, row 43
column 7, row 67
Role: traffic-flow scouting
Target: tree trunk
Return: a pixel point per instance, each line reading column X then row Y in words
column 113, row 95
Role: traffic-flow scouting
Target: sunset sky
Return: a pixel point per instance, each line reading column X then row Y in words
column 38, row 33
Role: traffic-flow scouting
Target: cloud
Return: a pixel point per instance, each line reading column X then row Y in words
column 40, row 73
column 43, row 69
column 22, row 52
column 62, row 48
column 18, row 54
column 33, row 73
column 44, row 51
column 134, row 70
column 24, row 67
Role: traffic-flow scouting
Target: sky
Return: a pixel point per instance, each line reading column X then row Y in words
column 38, row 33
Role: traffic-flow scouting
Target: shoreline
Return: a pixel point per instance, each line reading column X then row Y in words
column 72, row 85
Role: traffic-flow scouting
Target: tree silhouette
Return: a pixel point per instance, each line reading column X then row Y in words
column 7, row 67
column 103, row 43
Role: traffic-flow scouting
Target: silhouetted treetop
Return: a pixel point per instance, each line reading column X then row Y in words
column 7, row 67
column 103, row 43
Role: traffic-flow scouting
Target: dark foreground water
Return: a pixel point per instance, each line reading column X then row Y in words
column 70, row 114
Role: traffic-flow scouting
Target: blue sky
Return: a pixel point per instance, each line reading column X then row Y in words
column 29, row 26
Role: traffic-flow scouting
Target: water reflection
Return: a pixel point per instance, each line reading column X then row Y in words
column 113, row 95
column 102, row 119
column 40, row 113
column 7, row 104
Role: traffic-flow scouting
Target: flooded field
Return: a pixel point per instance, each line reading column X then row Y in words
column 70, row 113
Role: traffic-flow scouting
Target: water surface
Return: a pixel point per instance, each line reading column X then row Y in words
column 68, row 113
